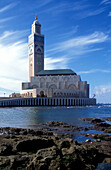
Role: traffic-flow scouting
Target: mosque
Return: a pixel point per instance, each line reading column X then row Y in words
column 60, row 87
column 49, row 83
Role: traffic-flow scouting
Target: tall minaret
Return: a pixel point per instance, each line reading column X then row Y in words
column 36, row 50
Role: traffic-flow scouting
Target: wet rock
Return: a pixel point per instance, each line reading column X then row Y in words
column 4, row 162
column 34, row 149
column 85, row 119
column 92, row 120
column 85, row 129
column 5, row 149
column 43, row 158
column 76, row 157
column 108, row 119
column 95, row 120
column 33, row 145
column 98, row 140
column 108, row 130
column 103, row 125
column 100, row 137
column 88, row 140
column 66, row 143
column 107, row 160
column 18, row 162
column 56, row 124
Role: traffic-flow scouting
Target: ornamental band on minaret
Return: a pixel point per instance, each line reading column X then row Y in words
column 36, row 50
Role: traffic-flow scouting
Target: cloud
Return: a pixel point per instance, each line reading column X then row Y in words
column 102, row 89
column 13, row 84
column 109, row 14
column 56, row 9
column 69, row 33
column 78, row 45
column 6, row 19
column 7, row 7
column 43, row 3
column 94, row 71
column 103, row 93
column 12, row 36
column 96, row 37
column 65, row 7
column 54, row 63
column 13, row 60
column 89, row 13
column 106, row 2
column 5, row 92
column 80, row 9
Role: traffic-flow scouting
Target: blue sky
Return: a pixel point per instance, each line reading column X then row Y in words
column 77, row 36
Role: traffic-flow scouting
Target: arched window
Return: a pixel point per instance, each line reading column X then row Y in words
column 34, row 86
column 54, row 94
column 72, row 87
column 42, row 94
column 39, row 50
column 53, row 86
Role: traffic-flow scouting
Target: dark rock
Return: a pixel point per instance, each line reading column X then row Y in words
column 85, row 129
column 62, row 126
column 108, row 119
column 88, row 140
column 34, row 149
column 56, row 123
column 108, row 130
column 95, row 120
column 24, row 132
column 38, row 132
column 19, row 162
column 98, row 140
column 65, row 143
column 100, row 137
column 107, row 160
column 4, row 162
column 85, row 119
column 76, row 157
column 34, row 144
column 103, row 125
column 5, row 149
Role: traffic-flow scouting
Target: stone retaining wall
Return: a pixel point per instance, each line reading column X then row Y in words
column 45, row 101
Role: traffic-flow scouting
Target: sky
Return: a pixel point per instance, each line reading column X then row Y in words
column 77, row 36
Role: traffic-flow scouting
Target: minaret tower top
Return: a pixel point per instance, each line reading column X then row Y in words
column 36, row 50
column 36, row 17
column 36, row 27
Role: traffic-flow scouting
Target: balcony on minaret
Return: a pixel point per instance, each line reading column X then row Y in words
column 36, row 27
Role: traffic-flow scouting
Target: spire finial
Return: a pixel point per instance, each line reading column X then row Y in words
column 36, row 17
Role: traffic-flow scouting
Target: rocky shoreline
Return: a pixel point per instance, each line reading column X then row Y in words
column 52, row 146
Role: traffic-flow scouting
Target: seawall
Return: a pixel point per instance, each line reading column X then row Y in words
column 46, row 101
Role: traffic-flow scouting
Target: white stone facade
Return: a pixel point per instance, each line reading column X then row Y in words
column 56, row 86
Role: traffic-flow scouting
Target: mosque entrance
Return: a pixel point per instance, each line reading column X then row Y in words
column 42, row 94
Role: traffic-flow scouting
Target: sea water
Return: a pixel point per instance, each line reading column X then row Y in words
column 30, row 117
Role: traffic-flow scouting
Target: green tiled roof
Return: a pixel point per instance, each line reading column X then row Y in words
column 56, row 72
